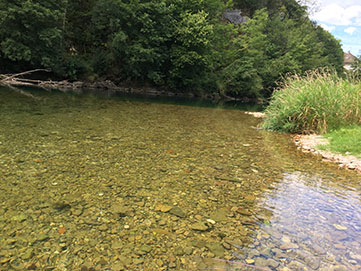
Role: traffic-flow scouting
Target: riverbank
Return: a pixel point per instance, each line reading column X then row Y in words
column 18, row 80
column 309, row 143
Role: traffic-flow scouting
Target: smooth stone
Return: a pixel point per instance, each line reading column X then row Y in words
column 318, row 249
column 272, row 263
column 250, row 198
column 60, row 206
column 28, row 254
column 219, row 215
column 120, row 209
column 138, row 261
column 286, row 246
column 339, row 268
column 77, row 212
column 103, row 227
column 199, row 243
column 243, row 211
column 199, row 226
column 118, row 267
column 313, row 262
column 179, row 251
column 340, row 227
column 216, row 248
column 163, row 208
column 296, row 266
column 102, row 261
column 355, row 256
column 117, row 244
column 42, row 237
column 266, row 252
column 260, row 262
column 188, row 250
column 177, row 211
column 125, row 260
column 19, row 218
column 146, row 248
column 279, row 253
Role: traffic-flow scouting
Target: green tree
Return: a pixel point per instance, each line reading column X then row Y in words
column 31, row 31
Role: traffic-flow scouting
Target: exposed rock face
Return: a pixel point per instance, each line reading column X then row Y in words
column 235, row 17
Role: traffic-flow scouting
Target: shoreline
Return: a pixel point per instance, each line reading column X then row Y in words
column 308, row 143
column 17, row 80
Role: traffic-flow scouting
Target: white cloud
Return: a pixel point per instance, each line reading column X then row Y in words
column 341, row 3
column 327, row 27
column 350, row 30
column 338, row 14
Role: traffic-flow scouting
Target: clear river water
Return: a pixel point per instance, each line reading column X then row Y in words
column 112, row 183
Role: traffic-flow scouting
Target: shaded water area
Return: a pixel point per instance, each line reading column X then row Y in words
column 95, row 183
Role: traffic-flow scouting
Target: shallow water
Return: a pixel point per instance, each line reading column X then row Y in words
column 95, row 183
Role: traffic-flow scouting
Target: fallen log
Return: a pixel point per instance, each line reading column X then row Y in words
column 16, row 75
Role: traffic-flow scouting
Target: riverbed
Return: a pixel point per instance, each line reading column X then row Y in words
column 107, row 183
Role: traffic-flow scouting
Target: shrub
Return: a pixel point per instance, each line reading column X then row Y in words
column 316, row 103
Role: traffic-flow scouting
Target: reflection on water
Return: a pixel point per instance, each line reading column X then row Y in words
column 119, row 184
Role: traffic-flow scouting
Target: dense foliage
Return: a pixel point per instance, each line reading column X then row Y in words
column 182, row 45
column 317, row 103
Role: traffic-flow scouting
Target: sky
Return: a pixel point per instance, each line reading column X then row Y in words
column 342, row 18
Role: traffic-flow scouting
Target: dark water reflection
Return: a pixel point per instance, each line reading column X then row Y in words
column 123, row 184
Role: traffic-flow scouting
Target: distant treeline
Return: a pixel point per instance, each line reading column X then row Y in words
column 179, row 45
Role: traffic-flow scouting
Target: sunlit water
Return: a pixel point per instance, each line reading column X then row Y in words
column 95, row 183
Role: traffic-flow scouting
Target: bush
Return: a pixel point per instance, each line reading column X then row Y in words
column 316, row 103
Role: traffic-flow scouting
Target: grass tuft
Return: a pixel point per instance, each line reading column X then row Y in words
column 316, row 103
column 345, row 140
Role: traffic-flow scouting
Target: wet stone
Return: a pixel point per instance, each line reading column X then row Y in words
column 199, row 226
column 339, row 268
column 117, row 244
column 286, row 246
column 178, row 251
column 219, row 215
column 28, row 254
column 76, row 211
column 163, row 208
column 243, row 211
column 296, row 266
column 177, row 211
column 355, row 256
column 42, row 237
column 145, row 249
column 216, row 248
column 103, row 227
column 199, row 243
column 61, row 206
column 120, row 209
column 313, row 262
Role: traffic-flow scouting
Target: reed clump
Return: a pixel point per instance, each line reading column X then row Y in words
column 318, row 102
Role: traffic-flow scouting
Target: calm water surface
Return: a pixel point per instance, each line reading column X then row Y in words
column 95, row 183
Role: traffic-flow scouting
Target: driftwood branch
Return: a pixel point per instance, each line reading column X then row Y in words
column 16, row 75
column 18, row 80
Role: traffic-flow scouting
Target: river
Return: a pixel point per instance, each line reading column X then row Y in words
column 107, row 183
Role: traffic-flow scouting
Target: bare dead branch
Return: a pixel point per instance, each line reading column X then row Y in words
column 12, row 76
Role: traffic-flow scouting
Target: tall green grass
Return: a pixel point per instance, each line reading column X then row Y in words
column 316, row 103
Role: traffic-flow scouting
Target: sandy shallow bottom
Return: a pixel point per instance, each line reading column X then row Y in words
column 308, row 143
